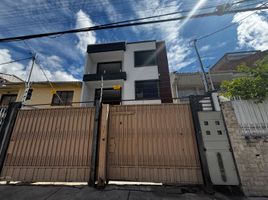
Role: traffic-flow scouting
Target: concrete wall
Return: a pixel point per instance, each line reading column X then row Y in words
column 251, row 156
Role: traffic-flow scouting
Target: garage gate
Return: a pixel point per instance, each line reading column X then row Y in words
column 140, row 143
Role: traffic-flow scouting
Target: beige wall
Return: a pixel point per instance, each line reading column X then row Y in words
column 9, row 90
column 42, row 93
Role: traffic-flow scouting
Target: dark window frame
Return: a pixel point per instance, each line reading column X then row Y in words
column 144, row 98
column 98, row 70
column 155, row 58
column 98, row 89
column 54, row 96
column 5, row 95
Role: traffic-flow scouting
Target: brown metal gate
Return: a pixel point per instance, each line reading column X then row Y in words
column 152, row 143
column 50, row 145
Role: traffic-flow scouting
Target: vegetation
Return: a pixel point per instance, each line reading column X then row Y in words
column 254, row 85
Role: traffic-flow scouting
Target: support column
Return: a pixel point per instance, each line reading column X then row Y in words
column 94, row 150
column 102, row 156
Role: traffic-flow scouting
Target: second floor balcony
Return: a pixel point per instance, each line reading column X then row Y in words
column 107, row 71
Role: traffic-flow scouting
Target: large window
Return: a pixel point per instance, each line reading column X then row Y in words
column 66, row 98
column 145, row 58
column 109, row 96
column 8, row 98
column 147, row 89
column 109, row 67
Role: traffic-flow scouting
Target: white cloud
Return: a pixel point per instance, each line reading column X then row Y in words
column 110, row 10
column 252, row 32
column 22, row 71
column 51, row 62
column 205, row 48
column 178, row 47
column 12, row 68
column 57, row 75
column 222, row 44
column 85, row 38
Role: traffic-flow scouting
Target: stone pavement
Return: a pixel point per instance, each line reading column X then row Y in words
column 17, row 192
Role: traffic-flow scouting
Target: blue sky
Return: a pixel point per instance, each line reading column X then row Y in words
column 63, row 56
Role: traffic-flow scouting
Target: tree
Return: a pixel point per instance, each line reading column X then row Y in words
column 252, row 85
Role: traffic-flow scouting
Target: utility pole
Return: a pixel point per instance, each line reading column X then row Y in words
column 101, row 92
column 204, row 77
column 211, row 81
column 28, row 83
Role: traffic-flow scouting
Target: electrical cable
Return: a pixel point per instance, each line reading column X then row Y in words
column 40, row 23
column 12, row 61
column 41, row 68
column 15, row 27
column 226, row 27
column 120, row 24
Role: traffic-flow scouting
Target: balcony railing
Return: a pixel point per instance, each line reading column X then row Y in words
column 109, row 76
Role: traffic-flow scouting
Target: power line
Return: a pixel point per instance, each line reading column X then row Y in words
column 122, row 24
column 6, row 63
column 94, row 6
column 226, row 27
column 41, row 68
column 54, row 20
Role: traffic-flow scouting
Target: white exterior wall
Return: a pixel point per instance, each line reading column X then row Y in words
column 133, row 73
column 137, row 73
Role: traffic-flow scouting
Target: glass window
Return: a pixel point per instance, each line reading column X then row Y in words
column 109, row 96
column 66, row 98
column 8, row 98
column 109, row 67
column 147, row 89
column 145, row 58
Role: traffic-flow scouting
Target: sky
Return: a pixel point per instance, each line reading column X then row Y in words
column 62, row 57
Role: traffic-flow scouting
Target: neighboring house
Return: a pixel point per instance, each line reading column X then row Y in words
column 230, row 61
column 132, row 73
column 9, row 78
column 186, row 84
column 41, row 93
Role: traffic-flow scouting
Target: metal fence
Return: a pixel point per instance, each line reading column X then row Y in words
column 252, row 117
column 3, row 113
column 50, row 145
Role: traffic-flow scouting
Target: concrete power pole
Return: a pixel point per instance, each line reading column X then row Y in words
column 204, row 77
column 28, row 83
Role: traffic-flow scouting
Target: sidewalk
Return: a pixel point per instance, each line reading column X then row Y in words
column 14, row 192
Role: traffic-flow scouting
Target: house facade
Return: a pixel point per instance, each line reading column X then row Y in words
column 230, row 61
column 185, row 84
column 41, row 94
column 129, row 73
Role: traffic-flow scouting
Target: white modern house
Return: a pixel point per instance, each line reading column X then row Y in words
column 132, row 73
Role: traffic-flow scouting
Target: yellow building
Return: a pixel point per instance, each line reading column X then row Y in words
column 42, row 94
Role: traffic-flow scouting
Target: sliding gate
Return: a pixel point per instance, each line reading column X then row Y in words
column 50, row 145
column 152, row 143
